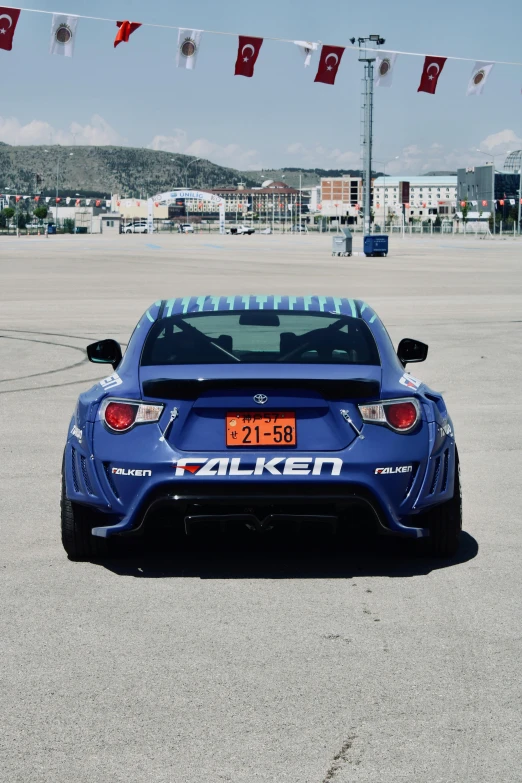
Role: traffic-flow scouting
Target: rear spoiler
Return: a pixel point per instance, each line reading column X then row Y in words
column 353, row 389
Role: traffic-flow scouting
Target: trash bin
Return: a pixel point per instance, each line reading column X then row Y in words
column 81, row 229
column 376, row 245
column 342, row 243
column 51, row 228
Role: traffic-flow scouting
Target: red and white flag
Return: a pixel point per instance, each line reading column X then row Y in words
column 8, row 21
column 78, row 202
column 430, row 73
column 247, row 54
column 126, row 29
column 329, row 64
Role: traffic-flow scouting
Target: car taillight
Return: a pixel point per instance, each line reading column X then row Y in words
column 121, row 416
column 400, row 415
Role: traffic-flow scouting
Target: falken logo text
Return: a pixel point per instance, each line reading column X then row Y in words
column 399, row 469
column 136, row 472
column 278, row 466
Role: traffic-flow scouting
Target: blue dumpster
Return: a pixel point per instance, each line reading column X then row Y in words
column 51, row 228
column 376, row 245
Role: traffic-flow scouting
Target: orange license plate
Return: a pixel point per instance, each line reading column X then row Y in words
column 261, row 429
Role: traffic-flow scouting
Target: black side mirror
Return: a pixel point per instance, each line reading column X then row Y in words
column 105, row 352
column 411, row 351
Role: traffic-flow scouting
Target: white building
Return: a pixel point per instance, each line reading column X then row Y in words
column 421, row 198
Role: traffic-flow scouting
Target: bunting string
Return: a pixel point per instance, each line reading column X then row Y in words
column 312, row 45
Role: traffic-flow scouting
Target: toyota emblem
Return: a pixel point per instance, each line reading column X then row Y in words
column 260, row 399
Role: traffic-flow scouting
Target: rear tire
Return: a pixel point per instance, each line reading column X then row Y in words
column 77, row 524
column 445, row 522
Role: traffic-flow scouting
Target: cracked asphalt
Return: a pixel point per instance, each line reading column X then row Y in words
column 260, row 660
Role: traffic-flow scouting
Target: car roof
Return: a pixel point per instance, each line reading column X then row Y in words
column 355, row 308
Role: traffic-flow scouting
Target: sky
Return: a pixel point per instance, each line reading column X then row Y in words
column 134, row 95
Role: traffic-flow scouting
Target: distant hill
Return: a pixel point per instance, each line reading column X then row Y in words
column 90, row 171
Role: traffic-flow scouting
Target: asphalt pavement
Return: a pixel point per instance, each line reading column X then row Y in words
column 260, row 660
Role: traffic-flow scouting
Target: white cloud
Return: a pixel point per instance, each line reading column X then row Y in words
column 501, row 142
column 97, row 132
column 233, row 155
column 416, row 159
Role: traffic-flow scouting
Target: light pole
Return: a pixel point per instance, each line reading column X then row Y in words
column 493, row 202
column 368, row 121
column 195, row 160
column 71, row 154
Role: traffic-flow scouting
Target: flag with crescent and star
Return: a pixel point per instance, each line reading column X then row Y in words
column 125, row 30
column 478, row 78
column 430, row 73
column 8, row 21
column 329, row 64
column 247, row 54
column 384, row 69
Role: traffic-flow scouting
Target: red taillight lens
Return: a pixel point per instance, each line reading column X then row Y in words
column 401, row 415
column 120, row 415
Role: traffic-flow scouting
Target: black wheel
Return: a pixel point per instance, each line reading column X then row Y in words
column 444, row 522
column 77, row 524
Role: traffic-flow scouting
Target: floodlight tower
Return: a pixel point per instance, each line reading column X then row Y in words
column 367, row 119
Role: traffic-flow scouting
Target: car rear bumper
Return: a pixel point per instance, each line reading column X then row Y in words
column 260, row 506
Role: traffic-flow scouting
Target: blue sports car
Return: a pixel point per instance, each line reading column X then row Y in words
column 260, row 410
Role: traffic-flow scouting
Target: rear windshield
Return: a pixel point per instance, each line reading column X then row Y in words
column 259, row 336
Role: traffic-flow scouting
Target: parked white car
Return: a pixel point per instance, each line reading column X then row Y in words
column 139, row 227
column 186, row 228
column 241, row 230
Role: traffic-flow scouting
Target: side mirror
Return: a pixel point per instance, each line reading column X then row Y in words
column 105, row 352
column 411, row 351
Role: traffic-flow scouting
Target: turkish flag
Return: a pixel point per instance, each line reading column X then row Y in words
column 78, row 202
column 247, row 54
column 17, row 199
column 58, row 200
column 430, row 73
column 501, row 202
column 8, row 21
column 484, row 202
column 125, row 32
column 98, row 203
column 329, row 64
column 462, row 203
column 37, row 199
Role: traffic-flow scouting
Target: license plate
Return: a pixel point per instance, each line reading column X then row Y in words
column 261, row 429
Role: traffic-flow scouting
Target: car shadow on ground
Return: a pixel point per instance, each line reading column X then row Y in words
column 246, row 555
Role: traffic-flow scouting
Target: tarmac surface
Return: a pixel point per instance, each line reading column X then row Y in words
column 252, row 660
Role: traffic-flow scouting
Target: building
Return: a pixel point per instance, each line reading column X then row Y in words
column 273, row 201
column 482, row 187
column 341, row 197
column 418, row 198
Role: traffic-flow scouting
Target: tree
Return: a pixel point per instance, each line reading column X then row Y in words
column 41, row 212
column 464, row 208
column 68, row 226
column 22, row 220
column 437, row 222
column 9, row 213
